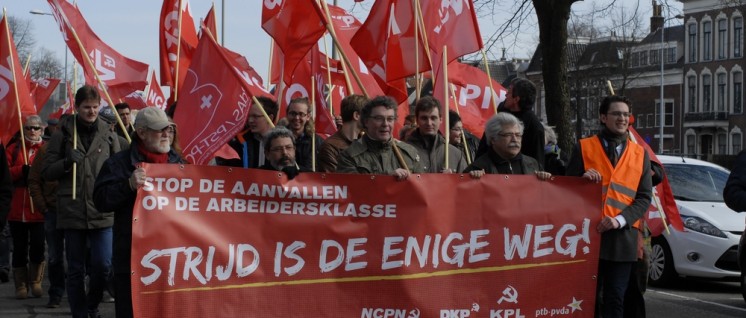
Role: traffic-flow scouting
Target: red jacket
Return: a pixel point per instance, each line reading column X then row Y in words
column 21, row 207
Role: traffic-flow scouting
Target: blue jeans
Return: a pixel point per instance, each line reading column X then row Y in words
column 55, row 255
column 613, row 280
column 100, row 264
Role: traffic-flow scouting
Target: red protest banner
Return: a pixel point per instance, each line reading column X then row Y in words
column 220, row 242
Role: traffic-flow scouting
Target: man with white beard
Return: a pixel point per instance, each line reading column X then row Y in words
column 116, row 189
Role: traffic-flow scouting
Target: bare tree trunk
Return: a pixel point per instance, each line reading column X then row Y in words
column 553, row 17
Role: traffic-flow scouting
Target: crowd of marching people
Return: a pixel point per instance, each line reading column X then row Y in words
column 73, row 181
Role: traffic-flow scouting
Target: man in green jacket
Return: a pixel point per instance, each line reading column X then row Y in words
column 429, row 143
column 378, row 152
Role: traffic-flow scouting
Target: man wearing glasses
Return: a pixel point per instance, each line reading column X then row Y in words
column 504, row 133
column 84, row 225
column 378, row 152
column 300, row 114
column 116, row 189
column 248, row 143
column 623, row 169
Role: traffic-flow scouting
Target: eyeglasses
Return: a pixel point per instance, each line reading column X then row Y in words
column 619, row 114
column 32, row 127
column 381, row 119
column 168, row 130
column 296, row 114
column 510, row 135
column 281, row 149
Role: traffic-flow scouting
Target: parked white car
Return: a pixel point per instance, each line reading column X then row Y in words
column 708, row 246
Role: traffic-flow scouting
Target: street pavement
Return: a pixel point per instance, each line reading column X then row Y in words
column 10, row 307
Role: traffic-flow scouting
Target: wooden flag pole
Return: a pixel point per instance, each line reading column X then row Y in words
column 489, row 77
column 178, row 56
column 28, row 62
column 417, row 88
column 446, row 102
column 271, row 56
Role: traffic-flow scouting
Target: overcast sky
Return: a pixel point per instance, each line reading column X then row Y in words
column 131, row 26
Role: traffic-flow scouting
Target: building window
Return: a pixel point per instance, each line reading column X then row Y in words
column 690, row 144
column 722, row 38
column 654, row 57
column 722, row 144
column 736, row 143
column 737, row 92
column 652, row 121
column 671, row 55
column 737, row 36
column 640, row 120
column 693, row 43
column 706, row 40
column 634, row 59
column 668, row 115
column 643, row 58
column 706, row 93
column 692, row 94
column 721, row 92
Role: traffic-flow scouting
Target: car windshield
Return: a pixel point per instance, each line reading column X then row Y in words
column 696, row 183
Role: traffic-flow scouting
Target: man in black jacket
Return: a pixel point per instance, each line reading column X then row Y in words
column 116, row 190
column 520, row 102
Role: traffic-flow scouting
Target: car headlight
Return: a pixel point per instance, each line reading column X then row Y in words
column 699, row 225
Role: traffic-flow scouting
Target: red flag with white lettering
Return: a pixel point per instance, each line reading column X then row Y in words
column 662, row 196
column 41, row 89
column 14, row 91
column 155, row 95
column 296, row 26
column 177, row 38
column 472, row 95
column 214, row 102
column 112, row 67
column 345, row 26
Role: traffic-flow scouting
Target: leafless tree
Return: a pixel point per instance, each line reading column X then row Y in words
column 23, row 37
column 45, row 65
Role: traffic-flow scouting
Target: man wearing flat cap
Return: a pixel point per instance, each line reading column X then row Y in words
column 116, row 189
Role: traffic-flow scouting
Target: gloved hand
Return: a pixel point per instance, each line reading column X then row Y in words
column 26, row 169
column 74, row 156
column 291, row 171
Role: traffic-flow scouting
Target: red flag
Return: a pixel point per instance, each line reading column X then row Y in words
column 170, row 35
column 42, row 89
column 66, row 108
column 324, row 122
column 661, row 194
column 452, row 24
column 214, row 102
column 155, row 94
column 276, row 64
column 296, row 26
column 472, row 95
column 345, row 26
column 210, row 21
column 386, row 41
column 14, row 92
column 112, row 68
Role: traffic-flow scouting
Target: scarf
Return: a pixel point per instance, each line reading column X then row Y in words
column 612, row 141
column 151, row 157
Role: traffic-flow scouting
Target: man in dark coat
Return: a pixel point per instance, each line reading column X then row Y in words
column 87, row 230
column 116, row 190
column 6, row 192
column 248, row 143
column 519, row 101
column 503, row 133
